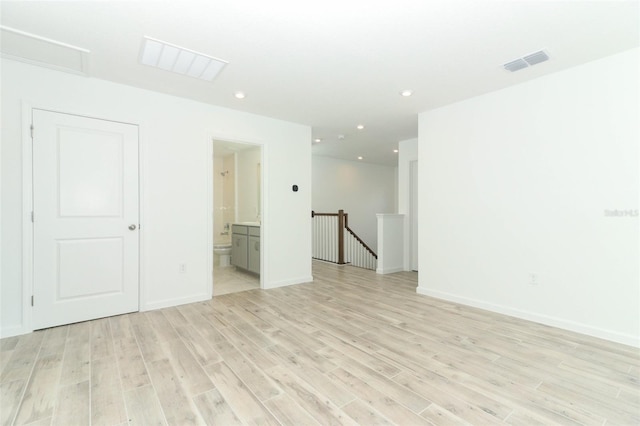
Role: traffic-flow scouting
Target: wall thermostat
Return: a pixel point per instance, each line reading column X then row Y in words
column 295, row 188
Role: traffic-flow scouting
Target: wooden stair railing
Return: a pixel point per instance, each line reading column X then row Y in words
column 333, row 244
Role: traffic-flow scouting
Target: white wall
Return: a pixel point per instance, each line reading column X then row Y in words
column 390, row 243
column 176, row 184
column 517, row 182
column 248, row 184
column 224, row 198
column 360, row 189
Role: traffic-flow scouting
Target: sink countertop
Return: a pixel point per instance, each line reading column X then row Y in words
column 247, row 223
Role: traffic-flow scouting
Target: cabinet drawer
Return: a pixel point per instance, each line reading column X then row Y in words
column 239, row 229
column 254, row 231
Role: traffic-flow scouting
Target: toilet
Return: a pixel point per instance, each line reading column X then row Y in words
column 223, row 250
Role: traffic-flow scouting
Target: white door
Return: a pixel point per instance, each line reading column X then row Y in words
column 85, row 201
column 413, row 182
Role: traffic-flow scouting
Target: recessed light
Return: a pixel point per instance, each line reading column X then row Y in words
column 406, row 93
column 360, row 158
column 395, row 150
column 317, row 140
column 240, row 95
column 360, row 126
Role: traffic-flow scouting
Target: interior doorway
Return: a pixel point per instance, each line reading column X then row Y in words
column 237, row 216
column 413, row 231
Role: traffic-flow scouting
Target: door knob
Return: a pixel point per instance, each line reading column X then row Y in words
column 132, row 227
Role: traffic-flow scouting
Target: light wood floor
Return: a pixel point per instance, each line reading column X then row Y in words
column 351, row 348
column 229, row 279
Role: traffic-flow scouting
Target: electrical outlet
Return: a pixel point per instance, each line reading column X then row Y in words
column 533, row 278
column 182, row 268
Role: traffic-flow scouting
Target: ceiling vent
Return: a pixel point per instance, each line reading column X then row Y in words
column 526, row 61
column 537, row 57
column 516, row 65
column 170, row 57
column 33, row 49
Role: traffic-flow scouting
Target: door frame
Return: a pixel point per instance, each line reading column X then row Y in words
column 27, row 204
column 264, row 212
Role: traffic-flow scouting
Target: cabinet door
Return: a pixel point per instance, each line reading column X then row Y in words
column 239, row 250
column 254, row 254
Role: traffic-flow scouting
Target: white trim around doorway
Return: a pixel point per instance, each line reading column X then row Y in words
column 264, row 228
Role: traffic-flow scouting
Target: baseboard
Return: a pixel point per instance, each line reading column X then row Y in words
column 15, row 330
column 389, row 270
column 625, row 339
column 174, row 302
column 285, row 283
column 19, row 330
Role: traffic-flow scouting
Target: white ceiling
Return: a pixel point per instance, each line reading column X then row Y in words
column 334, row 64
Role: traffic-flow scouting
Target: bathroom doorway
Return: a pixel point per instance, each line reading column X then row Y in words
column 237, row 216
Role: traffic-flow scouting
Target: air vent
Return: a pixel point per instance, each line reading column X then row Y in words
column 536, row 58
column 169, row 57
column 516, row 65
column 526, row 61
